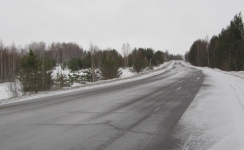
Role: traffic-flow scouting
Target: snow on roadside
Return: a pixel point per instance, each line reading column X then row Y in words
column 238, row 73
column 215, row 118
column 65, row 71
column 126, row 72
column 4, row 94
column 58, row 69
column 127, row 77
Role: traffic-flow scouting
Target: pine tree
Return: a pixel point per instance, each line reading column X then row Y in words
column 33, row 75
column 109, row 68
column 139, row 63
column 28, row 75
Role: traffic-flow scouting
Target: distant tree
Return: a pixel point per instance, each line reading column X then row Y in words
column 235, row 38
column 225, row 51
column 33, row 76
column 126, row 48
column 213, row 47
column 62, row 80
column 198, row 54
column 187, row 56
column 1, row 51
column 75, row 64
column 159, row 57
column 86, row 62
column 139, row 63
column 149, row 53
column 87, row 76
column 109, row 68
column 93, row 50
column 28, row 75
column 166, row 56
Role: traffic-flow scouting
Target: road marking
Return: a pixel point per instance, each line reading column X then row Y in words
column 157, row 109
column 178, row 89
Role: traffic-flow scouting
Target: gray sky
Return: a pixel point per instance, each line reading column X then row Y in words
column 159, row 24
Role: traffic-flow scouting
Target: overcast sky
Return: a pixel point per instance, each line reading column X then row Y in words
column 171, row 25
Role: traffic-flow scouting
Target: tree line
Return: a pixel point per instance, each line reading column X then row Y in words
column 32, row 64
column 54, row 54
column 224, row 51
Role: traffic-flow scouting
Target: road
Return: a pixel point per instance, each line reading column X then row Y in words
column 135, row 115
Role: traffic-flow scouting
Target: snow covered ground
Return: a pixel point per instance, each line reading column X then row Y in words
column 4, row 94
column 215, row 119
column 126, row 76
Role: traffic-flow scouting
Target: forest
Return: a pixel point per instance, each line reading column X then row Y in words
column 32, row 64
column 224, row 51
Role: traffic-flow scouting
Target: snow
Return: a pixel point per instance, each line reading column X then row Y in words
column 4, row 94
column 215, row 119
column 126, row 73
column 126, row 76
column 67, row 71
column 238, row 73
column 59, row 70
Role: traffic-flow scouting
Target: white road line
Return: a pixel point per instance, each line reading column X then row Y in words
column 157, row 109
column 178, row 89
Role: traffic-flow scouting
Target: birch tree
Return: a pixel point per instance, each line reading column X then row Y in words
column 1, row 51
column 126, row 48
column 93, row 49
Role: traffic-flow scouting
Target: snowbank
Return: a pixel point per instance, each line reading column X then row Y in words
column 127, row 72
column 4, row 94
column 127, row 76
column 58, row 69
column 66, row 71
column 215, row 119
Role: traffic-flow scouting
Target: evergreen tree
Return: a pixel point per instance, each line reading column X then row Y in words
column 75, row 64
column 139, row 63
column 62, row 81
column 35, row 74
column 225, row 51
column 109, row 68
column 159, row 57
column 28, row 75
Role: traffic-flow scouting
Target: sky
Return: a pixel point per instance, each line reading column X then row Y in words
column 171, row 25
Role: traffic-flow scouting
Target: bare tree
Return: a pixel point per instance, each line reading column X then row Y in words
column 38, row 48
column 93, row 50
column 207, row 47
column 13, row 51
column 126, row 48
column 124, row 52
column 1, row 51
column 5, row 66
column 13, row 90
column 43, row 70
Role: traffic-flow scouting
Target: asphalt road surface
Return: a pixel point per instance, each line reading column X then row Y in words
column 134, row 115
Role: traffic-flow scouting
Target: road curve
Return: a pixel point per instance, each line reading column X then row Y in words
column 135, row 115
